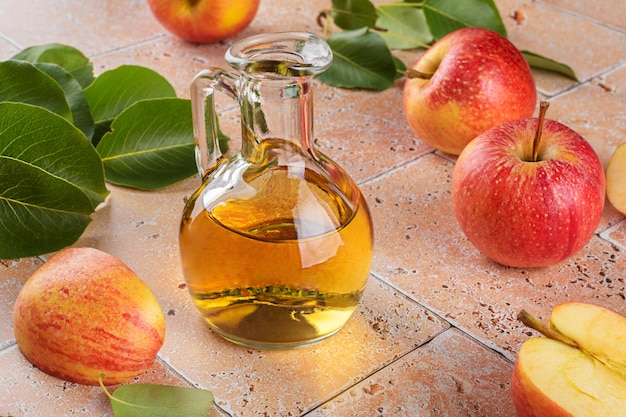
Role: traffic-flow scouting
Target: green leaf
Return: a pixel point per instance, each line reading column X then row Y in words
column 67, row 57
column 400, row 67
column 117, row 89
column 445, row 16
column 151, row 145
column 353, row 14
column 81, row 114
column 540, row 62
column 361, row 60
column 51, row 180
column 25, row 83
column 141, row 400
column 404, row 26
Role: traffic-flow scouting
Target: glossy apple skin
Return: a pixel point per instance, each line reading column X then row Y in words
column 480, row 80
column 528, row 214
column 204, row 21
column 84, row 313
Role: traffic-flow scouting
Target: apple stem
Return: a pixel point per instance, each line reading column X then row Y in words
column 413, row 73
column 543, row 108
column 534, row 323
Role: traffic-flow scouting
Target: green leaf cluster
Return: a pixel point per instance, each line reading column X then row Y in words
column 64, row 133
column 369, row 32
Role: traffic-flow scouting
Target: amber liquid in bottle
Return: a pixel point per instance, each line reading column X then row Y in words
column 283, row 266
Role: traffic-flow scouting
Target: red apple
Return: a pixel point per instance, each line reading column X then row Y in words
column 467, row 82
column 85, row 313
column 528, row 197
column 204, row 20
column 578, row 370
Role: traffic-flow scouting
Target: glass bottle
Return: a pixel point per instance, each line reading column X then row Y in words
column 276, row 244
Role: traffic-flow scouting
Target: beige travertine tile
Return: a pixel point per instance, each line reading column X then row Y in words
column 597, row 111
column 94, row 27
column 616, row 234
column 366, row 146
column 7, row 50
column 385, row 326
column 420, row 254
column 610, row 12
column 450, row 376
column 421, row 250
column 26, row 391
column 176, row 60
column 287, row 15
column 589, row 48
column 13, row 275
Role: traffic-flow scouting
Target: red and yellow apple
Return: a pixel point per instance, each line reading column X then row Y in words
column 578, row 370
column 467, row 82
column 204, row 20
column 528, row 192
column 616, row 179
column 85, row 313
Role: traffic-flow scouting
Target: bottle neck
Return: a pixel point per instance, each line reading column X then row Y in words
column 276, row 110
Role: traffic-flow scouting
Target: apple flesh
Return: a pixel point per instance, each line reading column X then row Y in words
column 467, row 82
column 85, row 313
column 582, row 323
column 522, row 212
column 616, row 179
column 571, row 378
column 204, row 21
column 551, row 379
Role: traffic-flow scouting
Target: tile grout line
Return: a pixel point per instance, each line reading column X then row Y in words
column 390, row 171
column 143, row 42
column 397, row 359
column 604, row 235
column 582, row 16
column 191, row 382
column 582, row 83
column 10, row 42
column 453, row 324
column 6, row 345
column 366, row 377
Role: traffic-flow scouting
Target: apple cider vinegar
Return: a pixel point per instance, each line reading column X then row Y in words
column 276, row 243
column 286, row 266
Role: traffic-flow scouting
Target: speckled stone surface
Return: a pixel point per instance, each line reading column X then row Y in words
column 436, row 331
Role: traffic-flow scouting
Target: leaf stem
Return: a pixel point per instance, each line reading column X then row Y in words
column 534, row 323
column 106, row 391
column 543, row 108
column 108, row 394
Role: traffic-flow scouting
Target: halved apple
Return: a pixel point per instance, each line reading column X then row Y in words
column 616, row 179
column 577, row 370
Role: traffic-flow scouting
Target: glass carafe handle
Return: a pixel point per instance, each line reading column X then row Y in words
column 205, row 120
